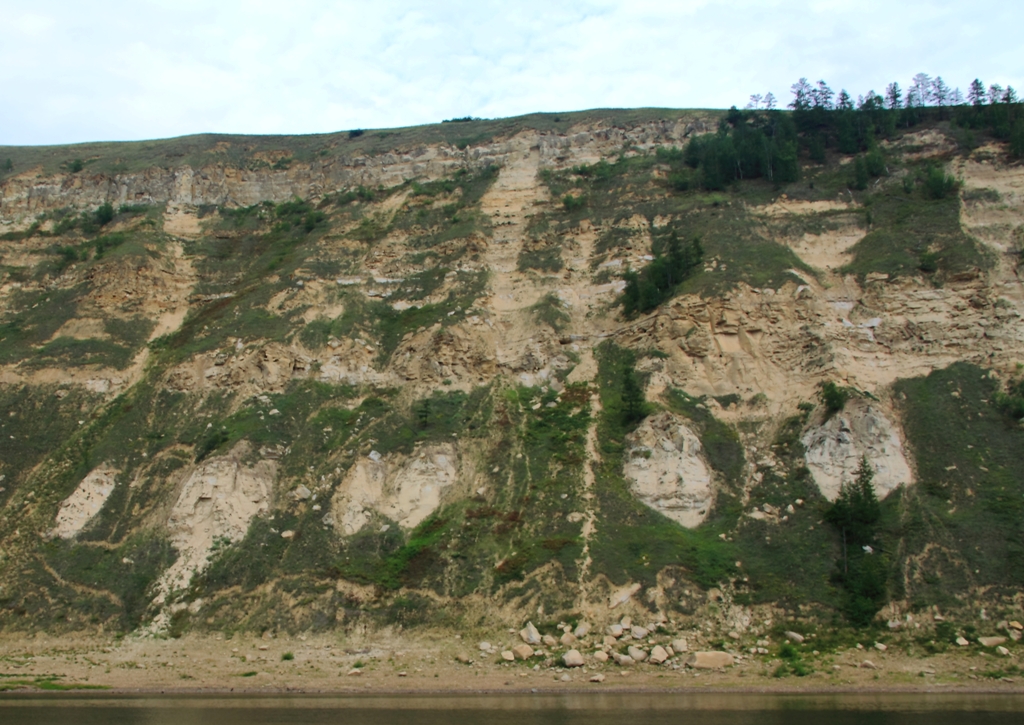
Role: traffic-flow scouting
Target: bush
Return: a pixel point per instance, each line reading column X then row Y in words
column 75, row 166
column 833, row 397
column 938, row 184
column 573, row 203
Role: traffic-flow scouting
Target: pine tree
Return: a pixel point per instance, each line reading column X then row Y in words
column 894, row 96
column 802, row 97
column 976, row 93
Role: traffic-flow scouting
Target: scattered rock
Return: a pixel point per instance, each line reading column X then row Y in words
column 548, row 640
column 302, row 493
column 1017, row 625
column 638, row 632
column 484, row 646
column 636, row 653
column 582, row 629
column 991, row 641
column 464, row 659
column 507, row 655
column 288, row 534
column 659, row 655
column 710, row 660
column 962, row 642
column 795, row 637
column 880, row 647
column 868, row 665
column 354, row 672
column 565, row 678
column 522, row 651
column 623, row 660
column 568, row 639
column 615, row 630
column 1003, row 651
column 529, row 634
column 597, row 678
column 680, row 645
column 573, row 658
column 601, row 656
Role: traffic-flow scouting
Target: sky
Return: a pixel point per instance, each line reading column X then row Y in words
column 101, row 70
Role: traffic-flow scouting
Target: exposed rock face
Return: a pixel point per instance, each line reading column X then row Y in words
column 666, row 470
column 217, row 502
column 78, row 509
column 861, row 430
column 405, row 491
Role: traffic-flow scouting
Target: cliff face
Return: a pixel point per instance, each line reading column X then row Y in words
column 316, row 387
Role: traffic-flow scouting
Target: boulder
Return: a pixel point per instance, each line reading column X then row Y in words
column 623, row 660
column 710, row 660
column 609, row 640
column 615, row 630
column 795, row 637
column 549, row 641
column 658, row 655
column 868, row 665
column 507, row 656
column 601, row 656
column 880, row 647
column 573, row 658
column 962, row 642
column 522, row 651
column 680, row 645
column 529, row 634
column 568, row 639
column 582, row 629
column 638, row 632
column 1016, row 625
column 991, row 641
column 597, row 678
column 636, row 653
column 484, row 646
column 464, row 659
column 1003, row 651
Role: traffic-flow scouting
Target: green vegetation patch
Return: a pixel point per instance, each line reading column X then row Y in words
column 967, row 508
column 915, row 229
column 633, row 542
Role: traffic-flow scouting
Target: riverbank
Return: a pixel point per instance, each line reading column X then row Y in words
column 379, row 663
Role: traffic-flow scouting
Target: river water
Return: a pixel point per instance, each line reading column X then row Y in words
column 525, row 709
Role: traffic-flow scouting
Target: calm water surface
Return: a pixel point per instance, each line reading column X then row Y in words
column 538, row 709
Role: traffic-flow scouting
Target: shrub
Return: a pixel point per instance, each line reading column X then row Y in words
column 938, row 184
column 104, row 214
column 356, row 133
column 833, row 397
column 75, row 166
column 573, row 203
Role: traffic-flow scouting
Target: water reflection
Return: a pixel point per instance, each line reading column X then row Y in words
column 536, row 709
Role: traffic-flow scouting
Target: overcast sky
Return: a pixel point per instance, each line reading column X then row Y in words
column 102, row 70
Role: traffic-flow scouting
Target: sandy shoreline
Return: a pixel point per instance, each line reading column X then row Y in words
column 386, row 664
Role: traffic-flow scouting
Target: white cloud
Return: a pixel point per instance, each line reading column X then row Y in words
column 104, row 70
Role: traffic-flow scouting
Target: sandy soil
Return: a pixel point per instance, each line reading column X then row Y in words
column 336, row 663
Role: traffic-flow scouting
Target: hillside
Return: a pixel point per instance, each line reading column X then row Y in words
column 545, row 368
